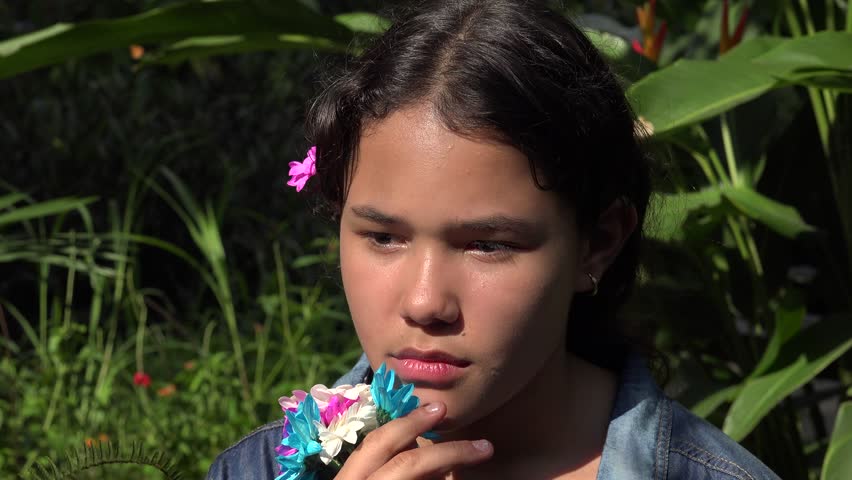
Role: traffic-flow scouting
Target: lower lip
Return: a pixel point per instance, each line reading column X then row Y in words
column 427, row 373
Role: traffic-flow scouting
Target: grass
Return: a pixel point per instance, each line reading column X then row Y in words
column 213, row 376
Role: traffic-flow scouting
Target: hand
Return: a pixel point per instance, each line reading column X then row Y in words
column 388, row 452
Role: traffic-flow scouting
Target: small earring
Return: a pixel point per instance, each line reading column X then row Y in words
column 594, row 280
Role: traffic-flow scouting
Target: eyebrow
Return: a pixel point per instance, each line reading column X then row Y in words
column 487, row 224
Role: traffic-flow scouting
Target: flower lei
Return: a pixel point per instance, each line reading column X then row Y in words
column 323, row 427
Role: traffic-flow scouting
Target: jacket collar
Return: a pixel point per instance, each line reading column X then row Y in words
column 637, row 441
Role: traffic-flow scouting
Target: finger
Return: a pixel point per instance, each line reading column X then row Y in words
column 382, row 444
column 435, row 461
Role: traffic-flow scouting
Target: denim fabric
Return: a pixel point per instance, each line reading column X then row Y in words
column 649, row 437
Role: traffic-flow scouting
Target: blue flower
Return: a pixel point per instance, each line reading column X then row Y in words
column 302, row 434
column 391, row 402
column 293, row 468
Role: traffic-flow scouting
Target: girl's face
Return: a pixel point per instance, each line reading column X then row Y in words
column 458, row 270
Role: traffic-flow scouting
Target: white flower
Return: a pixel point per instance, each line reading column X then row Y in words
column 360, row 416
column 323, row 394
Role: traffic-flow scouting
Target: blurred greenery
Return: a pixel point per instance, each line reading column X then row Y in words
column 145, row 231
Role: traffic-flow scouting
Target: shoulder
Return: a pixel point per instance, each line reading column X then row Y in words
column 652, row 436
column 698, row 449
column 253, row 456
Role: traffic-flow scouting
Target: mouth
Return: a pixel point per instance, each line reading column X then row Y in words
column 428, row 368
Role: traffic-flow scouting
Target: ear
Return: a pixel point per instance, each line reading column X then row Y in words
column 603, row 242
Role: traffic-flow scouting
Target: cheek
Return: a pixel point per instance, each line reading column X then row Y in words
column 367, row 285
column 529, row 301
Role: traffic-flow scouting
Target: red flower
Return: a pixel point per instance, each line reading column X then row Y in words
column 726, row 41
column 142, row 379
column 652, row 38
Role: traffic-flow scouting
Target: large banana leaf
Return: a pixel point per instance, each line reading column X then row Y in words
column 799, row 361
column 838, row 458
column 170, row 24
column 691, row 91
column 826, row 51
column 198, row 47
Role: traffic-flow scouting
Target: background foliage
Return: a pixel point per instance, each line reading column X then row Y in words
column 159, row 285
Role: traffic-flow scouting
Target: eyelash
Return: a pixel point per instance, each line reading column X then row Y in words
column 499, row 249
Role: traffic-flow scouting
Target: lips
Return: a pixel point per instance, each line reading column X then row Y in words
column 430, row 356
column 428, row 368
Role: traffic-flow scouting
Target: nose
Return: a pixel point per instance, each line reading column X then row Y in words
column 429, row 297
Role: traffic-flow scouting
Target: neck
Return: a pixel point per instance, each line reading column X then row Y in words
column 554, row 426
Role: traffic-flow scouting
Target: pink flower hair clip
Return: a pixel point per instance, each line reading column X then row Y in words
column 300, row 172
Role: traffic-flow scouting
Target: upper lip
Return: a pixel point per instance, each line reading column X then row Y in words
column 430, row 356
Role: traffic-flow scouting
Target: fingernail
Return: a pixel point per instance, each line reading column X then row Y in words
column 433, row 407
column 482, row 445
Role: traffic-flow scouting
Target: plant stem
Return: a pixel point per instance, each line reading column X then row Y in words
column 821, row 119
column 140, row 335
column 728, row 144
column 43, row 270
column 714, row 158
column 792, row 19
column 284, row 307
column 738, row 237
column 829, row 98
column 830, row 19
column 54, row 397
column 752, row 247
column 817, row 104
column 69, row 284
column 848, row 18
column 806, row 13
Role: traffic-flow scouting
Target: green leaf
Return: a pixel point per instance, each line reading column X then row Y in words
column 789, row 316
column 44, row 209
column 200, row 47
column 363, row 22
column 820, row 52
column 668, row 212
column 690, row 91
column 620, row 54
column 783, row 219
column 11, row 199
column 164, row 25
column 838, row 457
column 822, row 60
column 753, row 48
column 307, row 260
column 710, row 403
column 799, row 361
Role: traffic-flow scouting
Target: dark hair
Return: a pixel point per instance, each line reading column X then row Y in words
column 520, row 73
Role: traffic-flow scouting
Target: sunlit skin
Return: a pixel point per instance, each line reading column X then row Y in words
column 447, row 244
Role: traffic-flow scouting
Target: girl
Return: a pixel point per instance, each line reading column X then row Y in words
column 483, row 165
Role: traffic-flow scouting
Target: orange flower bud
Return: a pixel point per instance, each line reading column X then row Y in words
column 167, row 391
column 136, row 51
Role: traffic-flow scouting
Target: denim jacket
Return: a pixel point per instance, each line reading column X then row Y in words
column 649, row 437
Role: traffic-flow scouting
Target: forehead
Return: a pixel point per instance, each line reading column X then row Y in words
column 412, row 164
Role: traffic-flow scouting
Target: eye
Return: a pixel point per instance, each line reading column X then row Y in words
column 492, row 249
column 380, row 240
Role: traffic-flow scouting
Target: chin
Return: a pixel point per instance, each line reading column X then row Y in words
column 459, row 414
